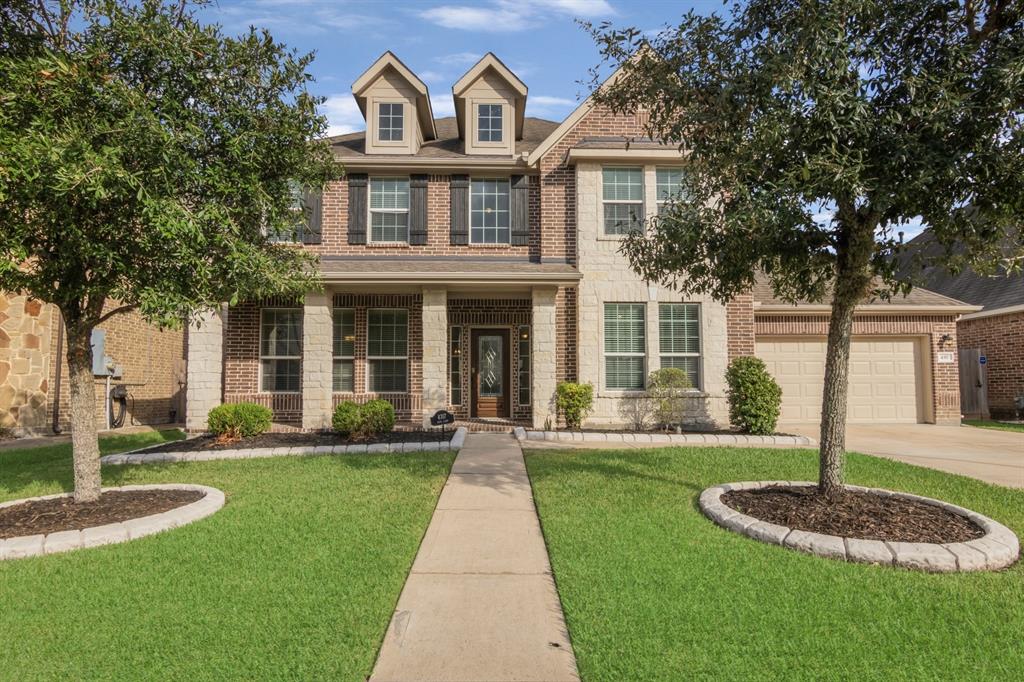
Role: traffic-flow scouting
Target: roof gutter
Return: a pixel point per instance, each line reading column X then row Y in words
column 617, row 154
column 417, row 163
column 785, row 309
column 478, row 278
column 995, row 312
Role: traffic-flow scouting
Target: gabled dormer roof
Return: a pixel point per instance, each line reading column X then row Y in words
column 388, row 60
column 490, row 62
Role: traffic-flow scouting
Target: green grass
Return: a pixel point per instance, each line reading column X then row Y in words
column 998, row 426
column 295, row 578
column 652, row 590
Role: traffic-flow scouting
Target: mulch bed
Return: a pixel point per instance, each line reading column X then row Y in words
column 294, row 439
column 865, row 516
column 61, row 513
column 684, row 432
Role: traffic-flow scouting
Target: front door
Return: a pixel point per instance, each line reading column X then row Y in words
column 490, row 373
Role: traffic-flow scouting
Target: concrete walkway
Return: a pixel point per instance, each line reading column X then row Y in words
column 480, row 603
column 986, row 454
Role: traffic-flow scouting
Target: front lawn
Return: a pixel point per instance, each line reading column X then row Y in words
column 998, row 426
column 652, row 590
column 295, row 578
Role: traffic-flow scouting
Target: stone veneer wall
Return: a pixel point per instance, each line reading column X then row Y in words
column 1001, row 339
column 945, row 378
column 24, row 363
column 607, row 278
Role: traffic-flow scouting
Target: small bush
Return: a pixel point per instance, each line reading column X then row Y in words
column 574, row 402
column 668, row 388
column 378, row 417
column 754, row 396
column 239, row 420
column 348, row 418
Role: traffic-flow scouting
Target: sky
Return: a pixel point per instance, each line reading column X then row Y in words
column 440, row 40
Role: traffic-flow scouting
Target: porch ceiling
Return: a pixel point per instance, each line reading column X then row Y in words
column 461, row 271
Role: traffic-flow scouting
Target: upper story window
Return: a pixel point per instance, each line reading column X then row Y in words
column 623, row 195
column 489, row 217
column 280, row 350
column 389, row 209
column 390, row 122
column 291, row 233
column 489, row 122
column 679, row 338
column 669, row 182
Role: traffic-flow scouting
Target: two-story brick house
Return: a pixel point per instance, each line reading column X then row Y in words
column 470, row 263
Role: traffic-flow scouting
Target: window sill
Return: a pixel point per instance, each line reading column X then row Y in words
column 491, row 246
column 612, row 393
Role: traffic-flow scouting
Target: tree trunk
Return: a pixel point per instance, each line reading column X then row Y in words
column 84, row 442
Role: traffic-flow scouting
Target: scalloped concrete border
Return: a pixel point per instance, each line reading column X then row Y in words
column 997, row 549
column 112, row 533
column 140, row 456
column 734, row 439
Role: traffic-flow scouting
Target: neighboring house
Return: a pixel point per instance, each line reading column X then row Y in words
column 470, row 263
column 34, row 389
column 991, row 340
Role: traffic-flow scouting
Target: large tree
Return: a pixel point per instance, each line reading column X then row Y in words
column 871, row 112
column 144, row 160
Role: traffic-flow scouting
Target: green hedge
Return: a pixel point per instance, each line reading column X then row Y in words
column 754, row 396
column 574, row 402
column 361, row 421
column 239, row 420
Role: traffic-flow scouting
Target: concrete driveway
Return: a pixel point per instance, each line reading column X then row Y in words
column 986, row 454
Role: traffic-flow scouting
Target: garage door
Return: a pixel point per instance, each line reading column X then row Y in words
column 884, row 382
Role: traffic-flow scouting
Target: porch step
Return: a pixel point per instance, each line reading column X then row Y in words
column 490, row 425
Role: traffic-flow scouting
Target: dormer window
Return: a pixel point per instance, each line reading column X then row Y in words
column 390, row 122
column 489, row 122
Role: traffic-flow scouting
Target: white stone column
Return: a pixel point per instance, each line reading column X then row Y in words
column 435, row 351
column 204, row 383
column 317, row 361
column 542, row 368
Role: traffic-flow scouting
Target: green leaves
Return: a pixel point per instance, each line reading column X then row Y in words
column 145, row 157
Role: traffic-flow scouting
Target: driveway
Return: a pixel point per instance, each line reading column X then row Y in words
column 986, row 454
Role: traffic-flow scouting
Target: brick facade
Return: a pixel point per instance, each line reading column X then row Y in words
column 1001, row 340
column 739, row 314
column 944, row 378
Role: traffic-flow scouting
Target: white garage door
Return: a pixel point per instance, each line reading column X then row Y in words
column 884, row 381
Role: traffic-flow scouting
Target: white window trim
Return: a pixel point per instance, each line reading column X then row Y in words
column 605, row 355
column 370, row 358
column 371, row 211
column 376, row 124
column 602, row 232
column 700, row 342
column 279, row 357
column 657, row 201
column 489, row 143
column 469, row 207
column 335, row 311
column 455, row 339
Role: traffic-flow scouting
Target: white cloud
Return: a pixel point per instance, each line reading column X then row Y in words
column 430, row 76
column 343, row 115
column 500, row 16
column 459, row 59
column 546, row 106
column 443, row 105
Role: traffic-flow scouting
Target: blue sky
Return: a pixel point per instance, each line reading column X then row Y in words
column 440, row 40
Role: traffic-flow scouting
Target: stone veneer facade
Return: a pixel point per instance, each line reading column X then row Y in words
column 1001, row 340
column 153, row 364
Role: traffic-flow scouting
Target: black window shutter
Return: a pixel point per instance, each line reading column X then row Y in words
column 312, row 227
column 418, row 209
column 459, row 185
column 357, row 208
column 520, row 201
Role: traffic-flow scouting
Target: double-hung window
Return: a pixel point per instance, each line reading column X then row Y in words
column 669, row 184
column 281, row 350
column 679, row 338
column 389, row 209
column 624, row 346
column 489, row 217
column 344, row 350
column 623, row 194
column 387, row 350
column 488, row 122
column 289, row 234
column 390, row 122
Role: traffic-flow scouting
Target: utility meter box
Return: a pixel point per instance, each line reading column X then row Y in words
column 99, row 357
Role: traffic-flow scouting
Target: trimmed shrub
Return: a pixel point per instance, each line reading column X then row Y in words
column 574, row 402
column 668, row 388
column 239, row 420
column 754, row 396
column 378, row 417
column 348, row 418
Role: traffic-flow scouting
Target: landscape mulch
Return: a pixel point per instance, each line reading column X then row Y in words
column 62, row 513
column 295, row 439
column 853, row 514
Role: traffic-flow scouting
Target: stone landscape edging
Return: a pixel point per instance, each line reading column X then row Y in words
column 997, row 549
column 736, row 439
column 112, row 533
column 141, row 456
